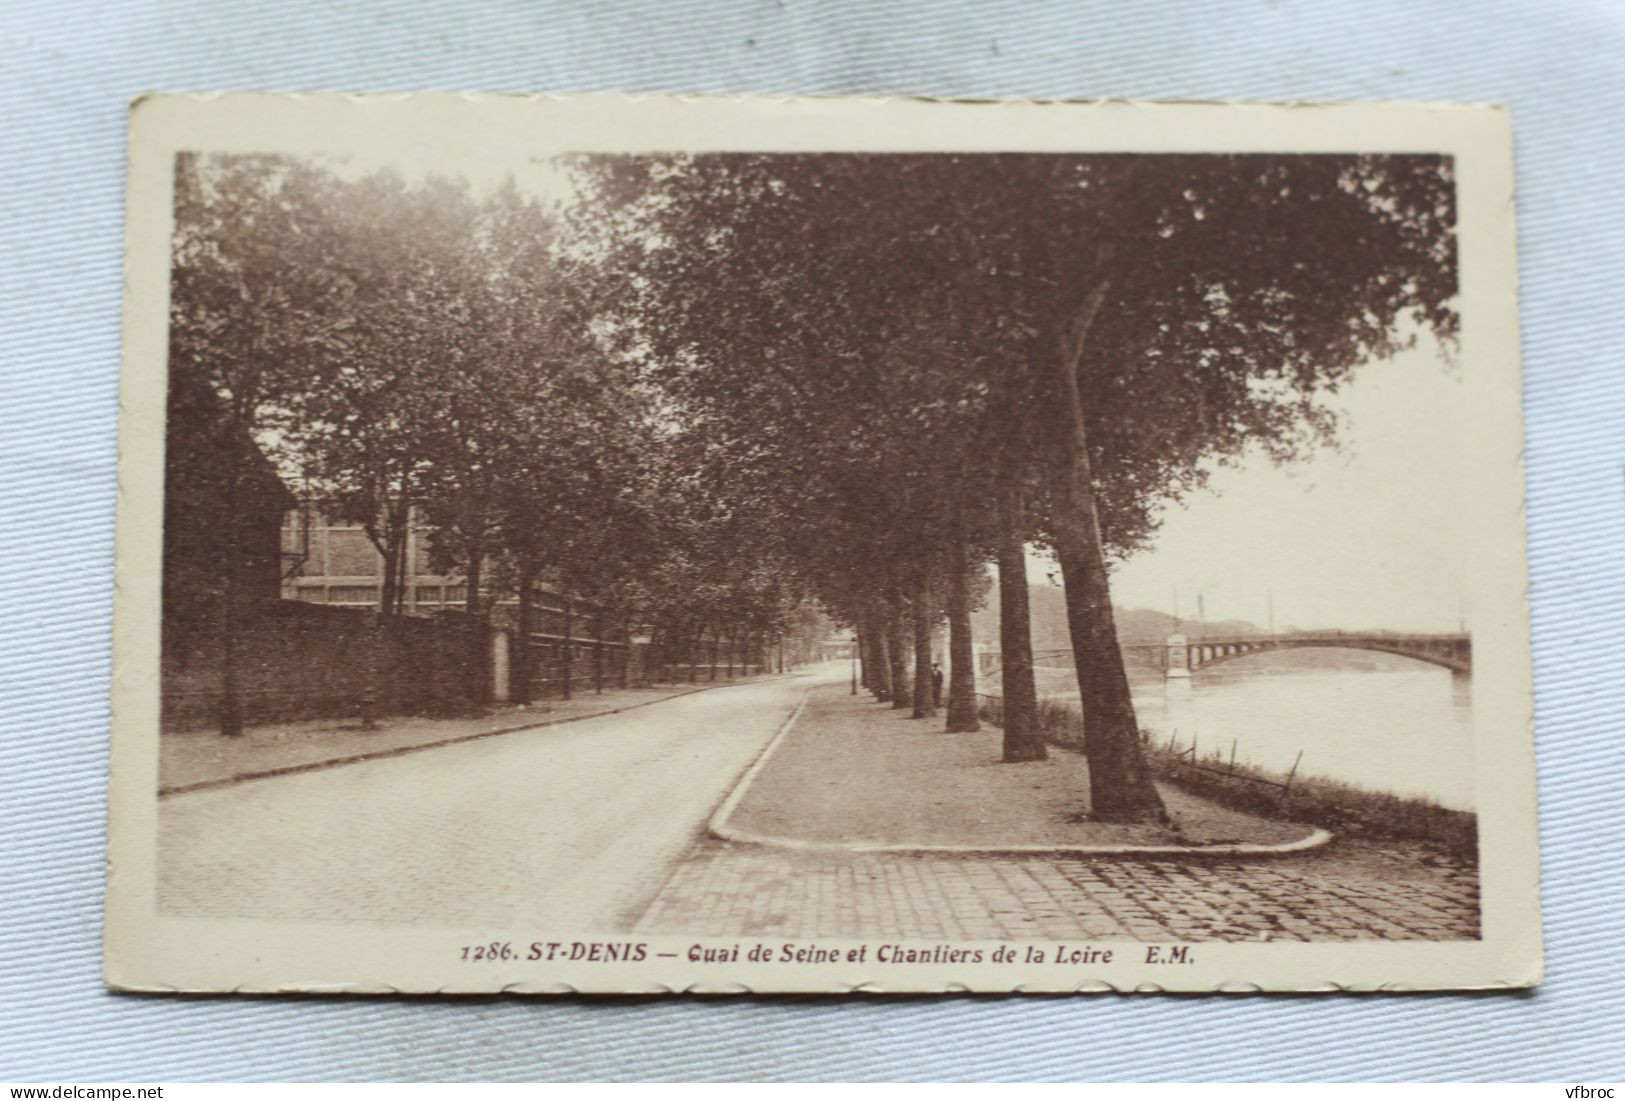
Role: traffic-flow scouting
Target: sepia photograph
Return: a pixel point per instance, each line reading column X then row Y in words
column 819, row 546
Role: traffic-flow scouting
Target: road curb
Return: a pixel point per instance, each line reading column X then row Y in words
column 401, row 751
column 719, row 828
column 718, row 824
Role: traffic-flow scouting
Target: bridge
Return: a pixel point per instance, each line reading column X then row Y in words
column 1180, row 657
column 1453, row 652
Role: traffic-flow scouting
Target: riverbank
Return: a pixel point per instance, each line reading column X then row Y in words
column 1345, row 809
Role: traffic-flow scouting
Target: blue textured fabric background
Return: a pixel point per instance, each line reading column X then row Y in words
column 67, row 71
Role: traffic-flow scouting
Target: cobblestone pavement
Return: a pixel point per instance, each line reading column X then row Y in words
column 1352, row 891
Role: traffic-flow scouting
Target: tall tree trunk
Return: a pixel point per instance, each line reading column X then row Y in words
column 403, row 565
column 716, row 643
column 1022, row 739
column 1120, row 787
column 598, row 650
column 882, row 646
column 625, row 678
column 925, row 706
column 899, row 656
column 389, row 593
column 694, row 656
column 568, row 648
column 519, row 690
column 658, row 666
column 389, row 575
column 478, row 681
column 879, row 662
column 371, row 670
column 962, row 716
column 231, row 699
column 384, row 532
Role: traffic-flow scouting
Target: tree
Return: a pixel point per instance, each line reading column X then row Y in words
column 249, row 309
column 1090, row 332
column 1208, row 303
column 824, row 359
column 366, row 420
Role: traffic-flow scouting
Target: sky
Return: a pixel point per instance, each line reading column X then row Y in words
column 1364, row 536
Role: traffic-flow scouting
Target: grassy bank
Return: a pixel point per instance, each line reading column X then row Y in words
column 1343, row 808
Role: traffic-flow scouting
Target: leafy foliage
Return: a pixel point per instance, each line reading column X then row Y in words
column 715, row 387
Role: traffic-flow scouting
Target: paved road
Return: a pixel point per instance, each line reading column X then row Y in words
column 597, row 826
column 572, row 828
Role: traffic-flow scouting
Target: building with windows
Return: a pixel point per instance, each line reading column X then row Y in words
column 570, row 644
column 328, row 561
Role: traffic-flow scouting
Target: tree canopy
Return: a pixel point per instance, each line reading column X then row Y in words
column 712, row 388
column 917, row 354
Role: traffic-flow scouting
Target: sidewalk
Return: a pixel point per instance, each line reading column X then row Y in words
column 853, row 774
column 203, row 759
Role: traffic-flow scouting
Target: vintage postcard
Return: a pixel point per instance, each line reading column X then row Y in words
column 653, row 544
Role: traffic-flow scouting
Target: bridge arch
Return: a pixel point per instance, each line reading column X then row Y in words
column 1180, row 657
column 1453, row 652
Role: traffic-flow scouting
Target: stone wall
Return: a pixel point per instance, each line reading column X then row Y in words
column 308, row 661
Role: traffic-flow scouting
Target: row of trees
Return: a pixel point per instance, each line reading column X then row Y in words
column 708, row 388
column 421, row 353
column 909, row 367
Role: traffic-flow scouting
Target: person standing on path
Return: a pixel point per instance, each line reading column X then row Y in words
column 936, row 683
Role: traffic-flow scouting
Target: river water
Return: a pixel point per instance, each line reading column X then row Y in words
column 1385, row 723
